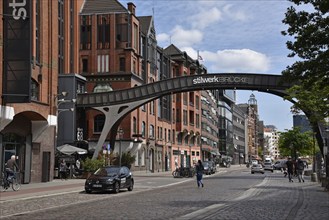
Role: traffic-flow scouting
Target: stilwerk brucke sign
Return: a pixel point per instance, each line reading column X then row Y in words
column 220, row 79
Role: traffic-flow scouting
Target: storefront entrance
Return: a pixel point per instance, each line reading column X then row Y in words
column 12, row 144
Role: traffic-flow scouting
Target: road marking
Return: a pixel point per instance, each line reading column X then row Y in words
column 201, row 211
column 252, row 191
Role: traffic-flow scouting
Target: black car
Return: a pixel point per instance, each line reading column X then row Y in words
column 208, row 167
column 110, row 178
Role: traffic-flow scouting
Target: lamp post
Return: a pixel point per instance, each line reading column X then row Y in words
column 120, row 150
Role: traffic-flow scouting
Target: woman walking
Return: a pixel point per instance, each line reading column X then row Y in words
column 199, row 173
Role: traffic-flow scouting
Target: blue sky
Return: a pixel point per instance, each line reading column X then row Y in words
column 232, row 36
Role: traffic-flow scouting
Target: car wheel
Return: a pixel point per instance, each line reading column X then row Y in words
column 88, row 191
column 252, row 172
column 131, row 187
column 116, row 187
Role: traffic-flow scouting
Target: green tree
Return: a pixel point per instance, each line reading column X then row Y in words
column 309, row 30
column 294, row 143
column 308, row 27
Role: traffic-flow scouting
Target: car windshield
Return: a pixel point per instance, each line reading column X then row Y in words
column 267, row 164
column 107, row 171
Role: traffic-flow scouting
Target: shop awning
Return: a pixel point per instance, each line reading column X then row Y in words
column 69, row 149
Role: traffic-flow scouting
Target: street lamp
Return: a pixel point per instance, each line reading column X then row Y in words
column 120, row 132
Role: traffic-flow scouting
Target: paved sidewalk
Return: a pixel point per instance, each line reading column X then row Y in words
column 54, row 187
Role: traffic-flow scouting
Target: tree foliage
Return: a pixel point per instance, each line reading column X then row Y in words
column 294, row 143
column 308, row 25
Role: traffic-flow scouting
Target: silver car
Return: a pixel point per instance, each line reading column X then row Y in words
column 268, row 166
column 257, row 168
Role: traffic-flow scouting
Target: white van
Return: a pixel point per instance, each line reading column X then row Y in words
column 268, row 160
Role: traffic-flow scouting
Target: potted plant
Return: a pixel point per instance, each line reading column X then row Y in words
column 91, row 165
column 126, row 159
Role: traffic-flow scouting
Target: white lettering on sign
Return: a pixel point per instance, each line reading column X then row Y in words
column 223, row 79
column 18, row 9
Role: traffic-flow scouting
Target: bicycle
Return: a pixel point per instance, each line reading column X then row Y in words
column 14, row 182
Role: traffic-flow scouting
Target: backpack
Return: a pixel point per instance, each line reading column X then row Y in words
column 300, row 165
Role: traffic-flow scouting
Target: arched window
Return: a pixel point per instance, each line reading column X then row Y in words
column 143, row 129
column 99, row 121
column 102, row 87
column 152, row 131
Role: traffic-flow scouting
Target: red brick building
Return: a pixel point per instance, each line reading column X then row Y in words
column 47, row 39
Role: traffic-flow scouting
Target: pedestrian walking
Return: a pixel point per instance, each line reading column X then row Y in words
column 290, row 169
column 300, row 169
column 199, row 173
column 63, row 170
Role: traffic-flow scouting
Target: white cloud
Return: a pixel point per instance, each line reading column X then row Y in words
column 243, row 60
column 205, row 18
column 234, row 14
column 183, row 38
column 163, row 37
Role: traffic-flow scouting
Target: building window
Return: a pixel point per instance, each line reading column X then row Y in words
column 151, row 131
column 143, row 129
column 103, row 32
column 34, row 90
column 152, row 108
column 81, row 88
column 72, row 35
column 135, row 125
column 122, row 63
column 99, row 121
column 197, row 102
column 60, row 36
column 37, row 31
column 85, row 31
column 184, row 117
column 136, row 37
column 197, row 121
column 103, row 63
column 122, row 28
column 84, row 65
column 185, row 98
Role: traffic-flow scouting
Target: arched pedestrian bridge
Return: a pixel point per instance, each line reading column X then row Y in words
column 116, row 104
column 261, row 82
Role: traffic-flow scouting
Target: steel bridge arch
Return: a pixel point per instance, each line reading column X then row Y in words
column 117, row 104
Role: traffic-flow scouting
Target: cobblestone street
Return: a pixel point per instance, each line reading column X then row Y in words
column 232, row 194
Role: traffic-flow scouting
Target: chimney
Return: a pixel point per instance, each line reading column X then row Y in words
column 131, row 8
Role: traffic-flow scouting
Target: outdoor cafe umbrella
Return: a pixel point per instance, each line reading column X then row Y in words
column 69, row 149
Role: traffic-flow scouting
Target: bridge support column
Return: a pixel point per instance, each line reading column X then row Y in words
column 112, row 115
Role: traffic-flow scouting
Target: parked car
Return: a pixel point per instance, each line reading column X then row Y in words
column 278, row 165
column 257, row 168
column 110, row 178
column 268, row 166
column 208, row 167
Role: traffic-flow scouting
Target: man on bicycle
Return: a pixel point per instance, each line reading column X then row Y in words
column 10, row 167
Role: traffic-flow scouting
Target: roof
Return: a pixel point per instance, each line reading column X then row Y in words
column 102, row 7
column 145, row 23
